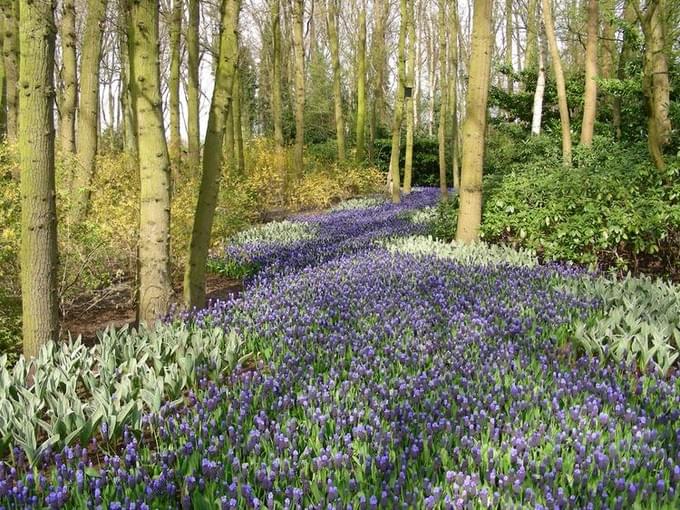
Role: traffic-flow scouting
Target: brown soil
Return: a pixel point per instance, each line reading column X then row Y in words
column 115, row 306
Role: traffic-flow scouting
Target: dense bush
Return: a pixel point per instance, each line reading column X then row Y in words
column 612, row 208
column 425, row 159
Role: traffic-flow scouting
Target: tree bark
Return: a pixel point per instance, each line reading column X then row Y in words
column 361, row 85
column 69, row 76
column 154, row 162
column 88, row 110
column 218, row 120
column 590, row 92
column 559, row 81
column 508, row 43
column 531, row 52
column 10, row 48
column 3, row 82
column 655, row 82
column 276, row 73
column 332, row 27
column 193, row 88
column 410, row 74
column 441, row 129
column 453, row 91
column 394, row 177
column 237, row 121
column 474, row 126
column 299, row 52
column 376, row 120
column 36, row 154
column 537, row 110
column 175, row 146
column 629, row 37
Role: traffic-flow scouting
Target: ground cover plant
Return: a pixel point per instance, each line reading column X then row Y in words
column 384, row 379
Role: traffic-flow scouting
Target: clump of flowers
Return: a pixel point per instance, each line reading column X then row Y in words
column 390, row 380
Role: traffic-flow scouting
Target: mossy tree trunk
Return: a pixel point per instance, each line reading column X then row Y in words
column 69, row 76
column 453, row 91
column 443, row 89
column 655, row 83
column 409, row 98
column 276, row 73
column 559, row 81
column 531, row 52
column 376, row 118
column 238, row 124
column 508, row 44
column 297, row 15
column 3, row 83
column 193, row 88
column 361, row 85
column 10, row 48
column 218, row 120
column 394, row 177
column 175, row 145
column 38, row 255
column 332, row 27
column 88, row 109
column 630, row 35
column 474, row 126
column 590, row 92
column 154, row 162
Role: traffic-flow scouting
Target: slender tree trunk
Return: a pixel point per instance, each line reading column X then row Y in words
column 299, row 52
column 508, row 43
column 10, row 48
column 69, row 76
column 559, row 81
column 590, row 93
column 193, row 88
column 88, row 111
column 218, row 121
column 36, row 153
column 394, row 177
column 432, row 78
column 175, row 146
column 376, row 121
column 608, row 53
column 129, row 118
column 237, row 121
column 441, row 129
column 410, row 72
column 474, row 126
column 276, row 73
column 540, row 90
column 154, row 162
column 3, row 82
column 629, row 36
column 531, row 52
column 361, row 85
column 453, row 91
column 655, row 83
column 332, row 27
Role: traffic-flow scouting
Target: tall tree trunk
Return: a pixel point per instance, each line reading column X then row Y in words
column 10, row 48
column 559, row 81
column 332, row 27
column 453, row 91
column 590, row 93
column 629, row 36
column 154, row 162
column 3, row 82
column 608, row 53
column 175, row 145
column 394, row 177
column 129, row 118
column 441, row 129
column 531, row 52
column 655, row 84
column 193, row 88
column 474, row 126
column 361, row 85
column 508, row 44
column 537, row 111
column 218, row 121
column 88, row 111
column 298, row 12
column 36, row 153
column 432, row 76
column 276, row 73
column 410, row 74
column 237, row 121
column 69, row 76
column 376, row 120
